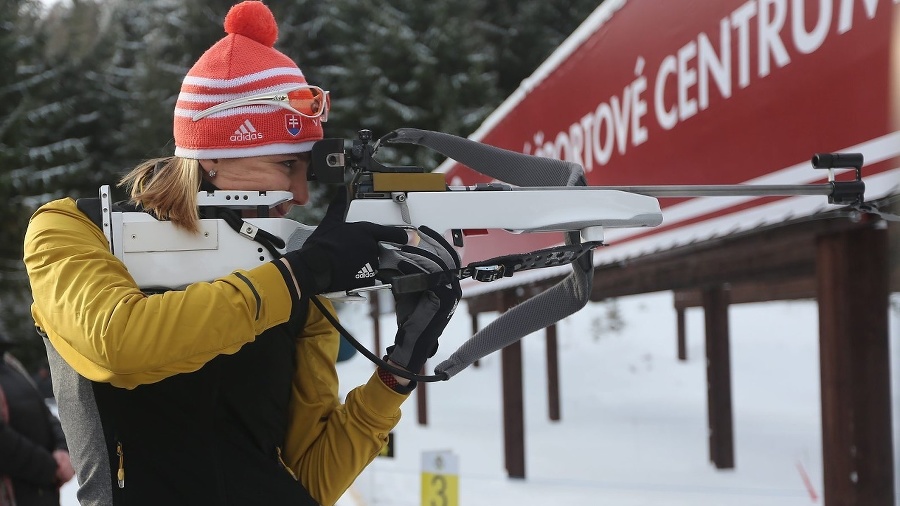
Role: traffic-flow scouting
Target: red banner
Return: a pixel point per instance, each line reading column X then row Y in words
column 708, row 92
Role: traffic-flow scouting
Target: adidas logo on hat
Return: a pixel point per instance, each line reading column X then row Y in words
column 247, row 132
column 366, row 272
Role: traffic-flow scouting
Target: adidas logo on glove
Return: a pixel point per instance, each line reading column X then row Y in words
column 366, row 272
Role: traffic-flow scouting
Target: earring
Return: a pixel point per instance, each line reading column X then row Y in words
column 212, row 173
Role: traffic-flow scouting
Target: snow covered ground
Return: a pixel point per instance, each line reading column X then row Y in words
column 633, row 428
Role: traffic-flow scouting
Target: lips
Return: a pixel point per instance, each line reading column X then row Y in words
column 280, row 211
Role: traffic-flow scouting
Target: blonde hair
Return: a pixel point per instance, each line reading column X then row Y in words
column 167, row 187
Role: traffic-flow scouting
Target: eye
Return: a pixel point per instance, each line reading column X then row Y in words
column 289, row 164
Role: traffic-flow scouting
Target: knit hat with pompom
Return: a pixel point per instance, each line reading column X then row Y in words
column 242, row 64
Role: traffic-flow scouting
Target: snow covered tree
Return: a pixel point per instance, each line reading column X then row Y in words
column 158, row 41
column 394, row 64
column 22, row 71
column 526, row 33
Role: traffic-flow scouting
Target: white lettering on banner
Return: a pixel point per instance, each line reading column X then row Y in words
column 709, row 63
column 666, row 118
column 845, row 18
column 638, row 106
column 618, row 123
column 687, row 77
column 771, row 21
column 807, row 42
column 740, row 19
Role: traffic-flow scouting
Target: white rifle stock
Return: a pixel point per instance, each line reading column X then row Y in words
column 161, row 256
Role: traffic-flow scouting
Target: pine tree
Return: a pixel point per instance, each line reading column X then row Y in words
column 403, row 63
column 18, row 108
column 526, row 33
column 53, row 136
column 158, row 43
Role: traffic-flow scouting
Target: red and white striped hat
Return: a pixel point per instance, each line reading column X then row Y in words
column 243, row 64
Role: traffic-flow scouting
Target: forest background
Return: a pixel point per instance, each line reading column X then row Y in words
column 88, row 88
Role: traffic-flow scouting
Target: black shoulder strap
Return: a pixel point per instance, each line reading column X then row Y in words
column 91, row 208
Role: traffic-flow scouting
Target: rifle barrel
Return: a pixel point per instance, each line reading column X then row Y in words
column 736, row 190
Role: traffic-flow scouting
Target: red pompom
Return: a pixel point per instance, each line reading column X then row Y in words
column 253, row 20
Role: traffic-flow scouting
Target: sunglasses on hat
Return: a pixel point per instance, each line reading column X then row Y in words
column 303, row 99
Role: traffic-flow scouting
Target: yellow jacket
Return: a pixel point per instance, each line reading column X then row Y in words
column 108, row 331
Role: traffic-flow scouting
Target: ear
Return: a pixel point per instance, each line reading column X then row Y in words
column 208, row 164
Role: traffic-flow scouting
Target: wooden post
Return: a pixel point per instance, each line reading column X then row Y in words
column 682, row 338
column 513, row 410
column 857, row 442
column 718, row 377
column 552, row 374
column 513, row 403
column 422, row 400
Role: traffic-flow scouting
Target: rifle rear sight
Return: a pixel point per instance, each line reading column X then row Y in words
column 332, row 160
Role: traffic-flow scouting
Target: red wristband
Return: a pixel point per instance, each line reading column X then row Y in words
column 388, row 379
column 391, row 381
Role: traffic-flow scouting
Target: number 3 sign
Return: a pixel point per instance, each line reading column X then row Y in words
column 440, row 478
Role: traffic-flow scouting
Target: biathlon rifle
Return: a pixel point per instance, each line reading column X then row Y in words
column 530, row 194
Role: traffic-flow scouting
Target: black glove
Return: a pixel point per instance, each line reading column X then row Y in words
column 422, row 316
column 340, row 256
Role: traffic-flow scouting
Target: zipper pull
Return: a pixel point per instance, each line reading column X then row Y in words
column 120, row 475
column 285, row 466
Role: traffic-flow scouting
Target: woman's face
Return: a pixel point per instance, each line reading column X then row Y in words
column 263, row 173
